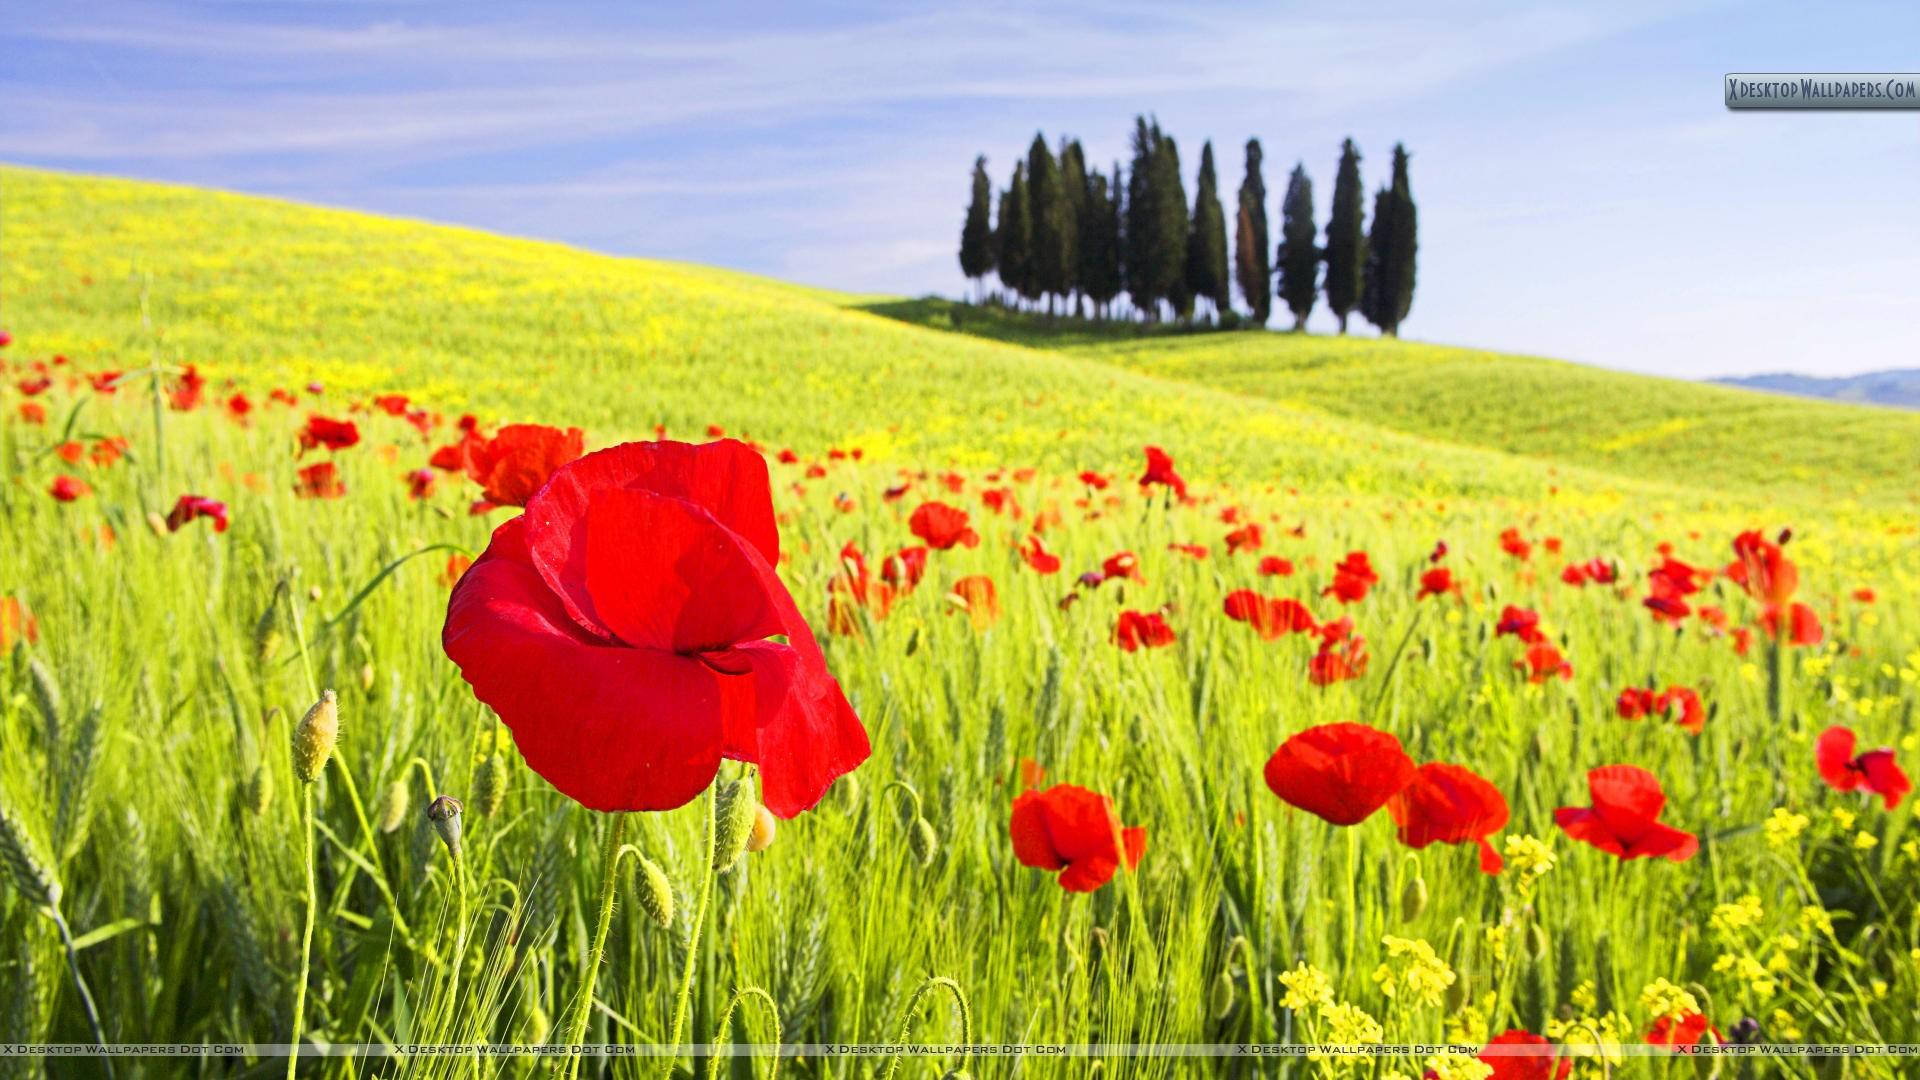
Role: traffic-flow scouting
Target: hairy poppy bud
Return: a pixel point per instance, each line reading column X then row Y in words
column 761, row 838
column 257, row 793
column 656, row 893
column 393, row 806
column 490, row 785
column 1537, row 943
column 733, row 824
column 923, row 840
column 1413, row 898
column 1220, row 995
column 314, row 736
column 444, row 813
column 266, row 631
column 366, row 676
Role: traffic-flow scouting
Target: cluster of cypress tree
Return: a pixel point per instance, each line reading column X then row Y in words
column 1064, row 237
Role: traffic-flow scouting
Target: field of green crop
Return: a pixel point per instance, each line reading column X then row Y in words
column 161, row 872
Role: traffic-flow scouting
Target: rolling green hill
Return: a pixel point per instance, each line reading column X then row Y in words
column 260, row 290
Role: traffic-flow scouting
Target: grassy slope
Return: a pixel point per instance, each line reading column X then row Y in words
column 1631, row 425
column 462, row 319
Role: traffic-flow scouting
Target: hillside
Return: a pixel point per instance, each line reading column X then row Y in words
column 1899, row 388
column 259, row 290
column 1629, row 425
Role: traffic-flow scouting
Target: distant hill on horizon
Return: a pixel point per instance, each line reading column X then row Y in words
column 1897, row 387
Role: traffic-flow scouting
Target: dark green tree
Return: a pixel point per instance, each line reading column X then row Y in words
column 976, row 235
column 1052, row 253
column 1346, row 241
column 1170, row 213
column 1299, row 259
column 1250, row 239
column 1099, row 248
column 1015, row 237
column 1388, row 293
column 1073, row 185
column 1142, row 234
column 1206, row 268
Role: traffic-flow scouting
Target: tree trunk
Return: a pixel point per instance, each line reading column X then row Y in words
column 1299, row 323
column 1343, row 322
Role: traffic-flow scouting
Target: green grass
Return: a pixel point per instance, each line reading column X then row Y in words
column 172, row 820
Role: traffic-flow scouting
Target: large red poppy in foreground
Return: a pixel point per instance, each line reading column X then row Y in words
column 1450, row 804
column 1624, row 819
column 1339, row 772
column 621, row 628
column 1076, row 831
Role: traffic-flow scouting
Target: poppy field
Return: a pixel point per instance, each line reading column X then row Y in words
column 416, row 636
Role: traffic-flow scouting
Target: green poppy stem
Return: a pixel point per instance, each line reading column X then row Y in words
column 609, row 861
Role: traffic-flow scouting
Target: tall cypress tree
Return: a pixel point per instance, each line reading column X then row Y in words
column 1099, row 242
column 1048, row 204
column 1298, row 257
column 1388, row 295
column 1073, row 186
column 1170, row 216
column 1016, row 236
column 1250, row 239
column 1141, row 233
column 1346, row 256
column 976, row 235
column 1206, row 269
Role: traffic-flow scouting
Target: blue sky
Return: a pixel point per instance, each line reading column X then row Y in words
column 1583, row 193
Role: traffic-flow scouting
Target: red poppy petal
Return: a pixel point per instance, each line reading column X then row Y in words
column 791, row 719
column 1339, row 772
column 1088, row 874
column 612, row 728
column 1625, row 797
column 1663, row 841
column 1834, row 756
column 1583, row 824
column 1135, row 839
column 1490, row 860
column 726, row 479
column 1032, row 844
column 661, row 573
column 1884, row 777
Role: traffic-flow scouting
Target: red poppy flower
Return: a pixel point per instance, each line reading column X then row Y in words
column 319, row 481
column 977, row 596
column 1635, row 702
column 32, row 412
column 620, row 628
column 1075, row 831
column 1683, row 706
column 1275, row 566
column 1197, row 551
column 1142, row 630
column 1863, row 595
column 189, row 507
column 16, row 624
column 1875, row 771
column 35, row 386
column 1271, row 617
column 1126, row 564
column 904, row 568
column 1763, row 569
column 334, row 435
column 1688, row 1030
column 1450, row 804
column 6, row 339
column 107, row 451
column 72, row 452
column 1001, row 501
column 1601, row 572
column 1796, row 624
column 1352, row 578
column 853, row 589
column 421, row 483
column 1245, row 538
column 1520, row 622
column 1035, row 552
column 1094, row 480
column 1438, row 582
column 513, row 465
column 1542, row 662
column 1338, row 659
column 1160, row 471
column 1512, row 543
column 391, row 404
column 1340, row 773
column 942, row 527
column 67, row 488
column 1523, row 1056
column 185, row 394
column 1624, row 819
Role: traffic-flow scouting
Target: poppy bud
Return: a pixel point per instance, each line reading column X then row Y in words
column 1413, row 898
column 1537, row 942
column 656, row 893
column 490, row 785
column 761, row 838
column 444, row 813
column 366, row 676
column 314, row 736
column 923, row 840
column 257, row 793
column 1456, row 993
column 157, row 523
column 733, row 824
column 1220, row 995
column 314, row 594
column 393, row 806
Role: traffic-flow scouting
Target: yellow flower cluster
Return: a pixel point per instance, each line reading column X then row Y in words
column 1588, row 1036
column 1425, row 978
column 1458, row 1067
column 1729, row 919
column 1661, row 998
column 1783, row 827
column 1349, row 1024
column 1529, row 858
column 1307, row 986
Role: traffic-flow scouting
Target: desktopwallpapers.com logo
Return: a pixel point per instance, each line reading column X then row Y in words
column 1822, row 90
